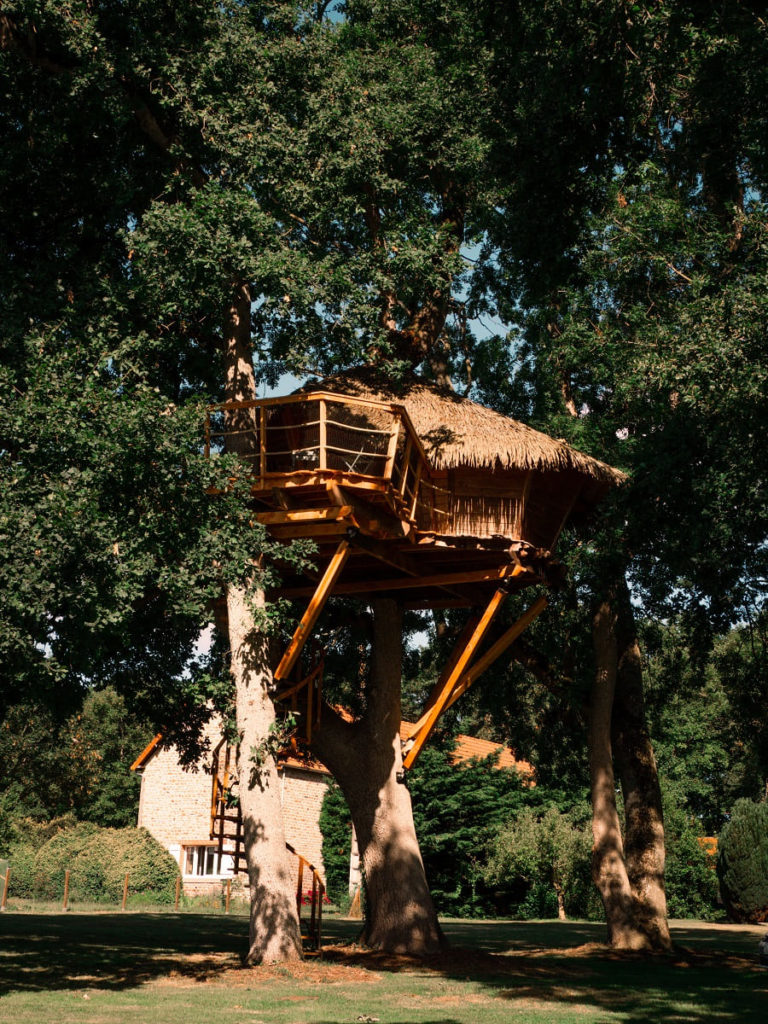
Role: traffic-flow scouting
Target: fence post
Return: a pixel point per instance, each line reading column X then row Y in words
column 229, row 895
column 4, row 901
column 178, row 892
column 65, row 903
column 125, row 891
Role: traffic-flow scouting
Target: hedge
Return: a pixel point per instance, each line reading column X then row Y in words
column 98, row 860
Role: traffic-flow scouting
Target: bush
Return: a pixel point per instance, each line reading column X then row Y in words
column 689, row 876
column 98, row 860
column 99, row 870
column 336, row 828
column 540, row 864
column 742, row 863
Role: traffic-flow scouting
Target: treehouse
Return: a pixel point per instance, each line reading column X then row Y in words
column 417, row 494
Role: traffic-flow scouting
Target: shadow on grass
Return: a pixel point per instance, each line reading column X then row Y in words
column 113, row 951
column 711, row 977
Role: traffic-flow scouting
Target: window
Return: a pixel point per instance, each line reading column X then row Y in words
column 202, row 861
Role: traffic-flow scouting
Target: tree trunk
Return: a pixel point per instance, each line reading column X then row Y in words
column 366, row 760
column 636, row 766
column 609, row 869
column 561, row 914
column 274, row 925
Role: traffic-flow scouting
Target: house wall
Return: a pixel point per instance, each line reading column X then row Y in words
column 175, row 806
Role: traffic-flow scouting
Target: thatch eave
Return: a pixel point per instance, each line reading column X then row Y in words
column 459, row 433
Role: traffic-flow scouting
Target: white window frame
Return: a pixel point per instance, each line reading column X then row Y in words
column 202, row 857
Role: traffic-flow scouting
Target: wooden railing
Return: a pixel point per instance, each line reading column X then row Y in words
column 321, row 436
column 313, row 897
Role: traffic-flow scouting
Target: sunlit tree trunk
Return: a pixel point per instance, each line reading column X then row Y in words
column 274, row 926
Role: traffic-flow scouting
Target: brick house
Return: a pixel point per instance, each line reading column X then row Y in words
column 175, row 804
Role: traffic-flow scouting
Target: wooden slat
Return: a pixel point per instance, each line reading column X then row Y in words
column 392, row 448
column 505, row 572
column 262, row 442
column 311, row 615
column 304, row 515
column 461, row 662
column 323, row 435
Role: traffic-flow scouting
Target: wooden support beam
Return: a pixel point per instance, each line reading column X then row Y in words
column 305, row 515
column 493, row 653
column 505, row 572
column 312, row 614
column 466, row 652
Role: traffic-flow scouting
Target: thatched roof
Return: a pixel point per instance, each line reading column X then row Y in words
column 456, row 431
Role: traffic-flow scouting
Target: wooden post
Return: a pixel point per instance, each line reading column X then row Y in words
column 4, row 901
column 323, row 462
column 319, row 925
column 64, row 905
column 125, row 891
column 262, row 444
column 299, row 883
column 313, row 909
column 312, row 614
column 416, row 485
column 406, row 465
column 178, row 892
column 229, row 896
column 389, row 465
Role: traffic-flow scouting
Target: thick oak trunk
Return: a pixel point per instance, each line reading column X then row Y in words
column 636, row 766
column 274, row 926
column 366, row 760
column 609, row 869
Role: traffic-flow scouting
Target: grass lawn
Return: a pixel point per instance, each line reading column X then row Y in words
column 147, row 968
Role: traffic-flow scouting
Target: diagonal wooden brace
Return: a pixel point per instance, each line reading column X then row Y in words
column 312, row 614
column 453, row 673
column 464, row 682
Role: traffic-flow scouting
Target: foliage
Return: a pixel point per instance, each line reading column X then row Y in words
column 98, row 860
column 456, row 809
column 742, row 862
column 78, row 766
column 689, row 875
column 336, row 827
column 541, row 861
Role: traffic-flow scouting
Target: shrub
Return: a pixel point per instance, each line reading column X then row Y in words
column 99, row 870
column 540, row 863
column 336, row 828
column 56, row 856
column 689, row 876
column 742, row 863
column 98, row 860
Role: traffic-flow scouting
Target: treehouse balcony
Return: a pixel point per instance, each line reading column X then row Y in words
column 322, row 451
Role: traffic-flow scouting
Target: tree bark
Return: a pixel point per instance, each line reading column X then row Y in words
column 365, row 758
column 609, row 870
column 636, row 766
column 274, row 926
